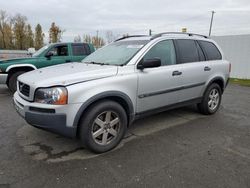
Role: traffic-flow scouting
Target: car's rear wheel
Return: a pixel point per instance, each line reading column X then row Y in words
column 12, row 83
column 103, row 126
column 211, row 100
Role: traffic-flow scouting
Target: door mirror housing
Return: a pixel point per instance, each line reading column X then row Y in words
column 49, row 54
column 149, row 63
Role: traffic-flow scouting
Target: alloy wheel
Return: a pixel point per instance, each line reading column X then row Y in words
column 105, row 128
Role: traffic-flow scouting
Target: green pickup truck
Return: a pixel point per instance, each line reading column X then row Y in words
column 49, row 55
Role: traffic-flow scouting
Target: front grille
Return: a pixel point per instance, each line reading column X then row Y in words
column 24, row 89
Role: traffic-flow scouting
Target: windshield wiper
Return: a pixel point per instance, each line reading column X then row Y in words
column 96, row 63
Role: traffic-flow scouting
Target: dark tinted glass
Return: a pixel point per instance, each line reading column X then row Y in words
column 210, row 50
column 187, row 51
column 164, row 51
column 87, row 49
column 60, row 50
column 201, row 54
column 78, row 50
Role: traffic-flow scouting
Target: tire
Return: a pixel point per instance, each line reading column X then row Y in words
column 103, row 126
column 211, row 100
column 12, row 83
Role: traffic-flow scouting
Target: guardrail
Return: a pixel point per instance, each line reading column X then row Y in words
column 6, row 54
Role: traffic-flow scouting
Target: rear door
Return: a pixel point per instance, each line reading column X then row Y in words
column 212, row 56
column 195, row 68
column 157, row 87
column 80, row 51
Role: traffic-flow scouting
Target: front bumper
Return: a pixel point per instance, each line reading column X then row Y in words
column 3, row 78
column 53, row 118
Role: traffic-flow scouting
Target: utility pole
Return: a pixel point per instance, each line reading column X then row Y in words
column 211, row 23
column 97, row 40
column 150, row 32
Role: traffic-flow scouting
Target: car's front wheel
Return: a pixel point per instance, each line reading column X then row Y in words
column 211, row 100
column 12, row 83
column 103, row 126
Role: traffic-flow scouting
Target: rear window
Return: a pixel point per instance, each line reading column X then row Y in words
column 80, row 49
column 211, row 51
column 187, row 51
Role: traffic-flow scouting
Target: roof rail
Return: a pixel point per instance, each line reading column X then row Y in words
column 124, row 37
column 179, row 33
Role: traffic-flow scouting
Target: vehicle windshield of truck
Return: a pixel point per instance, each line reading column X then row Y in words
column 40, row 51
column 117, row 53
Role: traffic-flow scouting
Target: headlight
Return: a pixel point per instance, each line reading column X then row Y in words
column 54, row 95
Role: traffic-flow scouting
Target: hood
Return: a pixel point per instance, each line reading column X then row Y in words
column 15, row 59
column 66, row 74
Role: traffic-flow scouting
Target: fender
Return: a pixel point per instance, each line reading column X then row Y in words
column 20, row 65
column 212, row 80
column 104, row 95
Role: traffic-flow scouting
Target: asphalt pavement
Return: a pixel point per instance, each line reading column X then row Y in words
column 177, row 148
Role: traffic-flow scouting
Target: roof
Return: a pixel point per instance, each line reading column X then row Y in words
column 165, row 34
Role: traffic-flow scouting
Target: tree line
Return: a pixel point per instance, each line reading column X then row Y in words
column 17, row 34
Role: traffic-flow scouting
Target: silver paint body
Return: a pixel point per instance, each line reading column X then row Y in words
column 85, row 81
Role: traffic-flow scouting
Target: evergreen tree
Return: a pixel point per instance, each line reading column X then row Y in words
column 29, row 37
column 19, row 31
column 39, row 37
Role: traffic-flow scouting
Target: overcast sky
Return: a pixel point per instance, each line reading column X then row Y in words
column 78, row 17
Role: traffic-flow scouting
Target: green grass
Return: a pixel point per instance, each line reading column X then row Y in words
column 242, row 82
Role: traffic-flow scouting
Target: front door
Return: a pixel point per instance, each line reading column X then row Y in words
column 59, row 55
column 158, row 87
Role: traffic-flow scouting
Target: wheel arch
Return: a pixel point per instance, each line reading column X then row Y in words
column 21, row 67
column 218, row 80
column 119, row 97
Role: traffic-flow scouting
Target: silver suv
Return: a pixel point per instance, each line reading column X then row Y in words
column 98, row 99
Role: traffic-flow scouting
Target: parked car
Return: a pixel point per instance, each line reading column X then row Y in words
column 49, row 55
column 132, row 77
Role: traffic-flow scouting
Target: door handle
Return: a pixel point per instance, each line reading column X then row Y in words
column 207, row 68
column 68, row 61
column 176, row 73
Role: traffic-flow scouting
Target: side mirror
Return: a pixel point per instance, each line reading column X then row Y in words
column 49, row 54
column 149, row 63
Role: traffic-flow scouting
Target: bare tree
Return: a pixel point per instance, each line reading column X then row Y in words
column 77, row 38
column 110, row 36
column 97, row 41
column 55, row 33
column 87, row 38
column 3, row 23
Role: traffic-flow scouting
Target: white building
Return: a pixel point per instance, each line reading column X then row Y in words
column 237, row 50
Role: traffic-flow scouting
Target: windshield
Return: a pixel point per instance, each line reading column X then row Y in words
column 117, row 53
column 41, row 50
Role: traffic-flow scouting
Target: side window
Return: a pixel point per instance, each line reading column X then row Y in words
column 79, row 50
column 200, row 52
column 60, row 50
column 163, row 50
column 87, row 49
column 210, row 50
column 187, row 51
